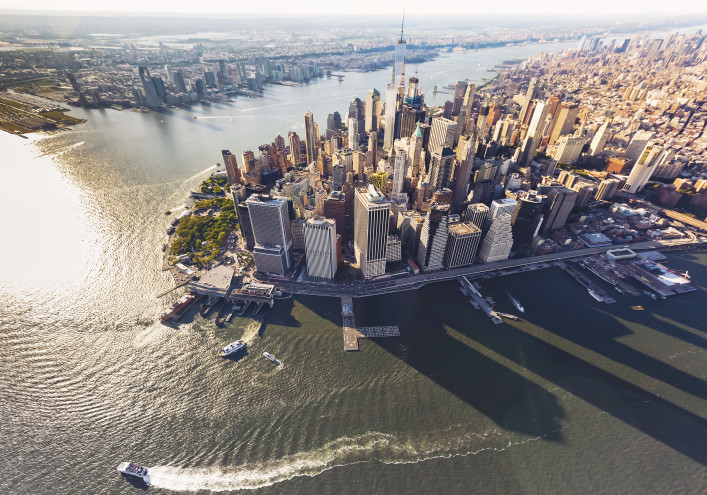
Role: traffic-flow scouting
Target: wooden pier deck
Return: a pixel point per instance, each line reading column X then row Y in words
column 352, row 333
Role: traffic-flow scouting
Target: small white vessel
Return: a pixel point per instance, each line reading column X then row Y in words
column 270, row 357
column 517, row 304
column 135, row 471
column 233, row 348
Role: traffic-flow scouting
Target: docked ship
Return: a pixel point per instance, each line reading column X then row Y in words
column 595, row 295
column 517, row 304
column 233, row 348
column 135, row 471
column 269, row 356
column 179, row 305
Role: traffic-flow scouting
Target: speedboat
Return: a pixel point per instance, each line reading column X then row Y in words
column 135, row 471
column 233, row 348
column 269, row 356
column 517, row 304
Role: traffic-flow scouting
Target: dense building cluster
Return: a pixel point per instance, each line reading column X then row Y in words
column 527, row 165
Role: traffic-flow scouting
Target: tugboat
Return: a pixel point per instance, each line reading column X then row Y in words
column 233, row 348
column 134, row 471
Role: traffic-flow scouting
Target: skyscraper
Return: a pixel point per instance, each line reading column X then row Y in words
column 476, row 213
column 529, row 96
column 401, row 163
column 152, row 100
column 464, row 111
column 643, row 169
column 433, row 238
column 399, row 61
column 534, row 136
column 295, row 148
column 232, row 171
column 526, row 219
column 320, row 248
column 565, row 117
column 311, row 137
column 441, row 167
column 373, row 110
column 558, row 205
column 638, row 143
column 502, row 206
column 442, row 134
column 600, row 139
column 498, row 241
column 462, row 244
column 371, row 224
column 392, row 101
column 607, row 189
column 335, row 208
column 272, row 232
column 568, row 149
column 465, row 166
column 354, row 137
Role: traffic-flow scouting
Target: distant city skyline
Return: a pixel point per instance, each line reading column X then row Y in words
column 605, row 8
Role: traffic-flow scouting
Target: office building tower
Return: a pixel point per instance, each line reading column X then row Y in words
column 442, row 134
column 462, row 244
column 371, row 225
column 357, row 111
column 404, row 228
column 433, row 238
column 534, row 136
column 415, row 157
column 464, row 111
column 373, row 111
column 568, row 149
column 607, row 189
column 600, row 139
column 498, row 241
column 393, row 251
column 354, row 137
column 487, row 171
column 527, row 218
column 637, row 144
column 272, row 230
column 244, row 221
column 311, row 136
column 295, row 149
column 458, row 100
column 441, row 168
column 298, row 234
column 668, row 169
column 466, row 163
column 392, row 103
column 558, row 205
column 483, row 191
column 643, row 169
column 372, row 157
column 320, row 248
column 399, row 60
column 585, row 192
column 564, row 120
column 409, row 118
column 335, row 208
column 529, row 96
column 379, row 180
column 400, row 166
column 333, row 121
column 476, row 213
column 233, row 173
column 152, row 100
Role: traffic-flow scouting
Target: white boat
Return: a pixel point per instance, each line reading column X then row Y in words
column 595, row 295
column 270, row 357
column 135, row 471
column 517, row 304
column 233, row 348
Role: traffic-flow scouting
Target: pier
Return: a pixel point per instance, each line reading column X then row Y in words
column 352, row 333
column 478, row 301
column 595, row 291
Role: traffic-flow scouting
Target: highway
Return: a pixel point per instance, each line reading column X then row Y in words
column 396, row 283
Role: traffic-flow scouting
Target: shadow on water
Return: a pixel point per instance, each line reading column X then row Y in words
column 507, row 398
column 670, row 424
column 236, row 357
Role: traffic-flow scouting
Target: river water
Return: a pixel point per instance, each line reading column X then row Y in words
column 577, row 397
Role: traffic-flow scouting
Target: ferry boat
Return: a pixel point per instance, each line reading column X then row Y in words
column 233, row 348
column 135, row 471
column 517, row 304
column 269, row 356
column 177, row 307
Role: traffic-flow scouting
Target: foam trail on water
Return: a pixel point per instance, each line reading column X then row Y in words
column 196, row 176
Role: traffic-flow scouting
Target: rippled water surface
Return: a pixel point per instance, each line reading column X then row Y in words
column 577, row 397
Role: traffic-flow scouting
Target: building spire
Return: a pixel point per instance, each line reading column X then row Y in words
column 402, row 25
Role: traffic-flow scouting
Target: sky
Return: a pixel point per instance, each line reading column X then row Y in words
column 333, row 7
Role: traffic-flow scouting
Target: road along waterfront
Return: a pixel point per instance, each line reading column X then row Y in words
column 575, row 397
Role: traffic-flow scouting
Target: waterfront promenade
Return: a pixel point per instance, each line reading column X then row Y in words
column 402, row 282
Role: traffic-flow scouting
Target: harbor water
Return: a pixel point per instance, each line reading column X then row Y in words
column 574, row 397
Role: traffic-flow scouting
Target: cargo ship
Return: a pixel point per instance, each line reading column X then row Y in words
column 183, row 303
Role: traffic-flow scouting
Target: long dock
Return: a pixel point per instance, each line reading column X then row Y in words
column 594, row 290
column 352, row 333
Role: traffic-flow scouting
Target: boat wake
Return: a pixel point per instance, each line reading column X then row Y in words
column 346, row 451
column 196, row 176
